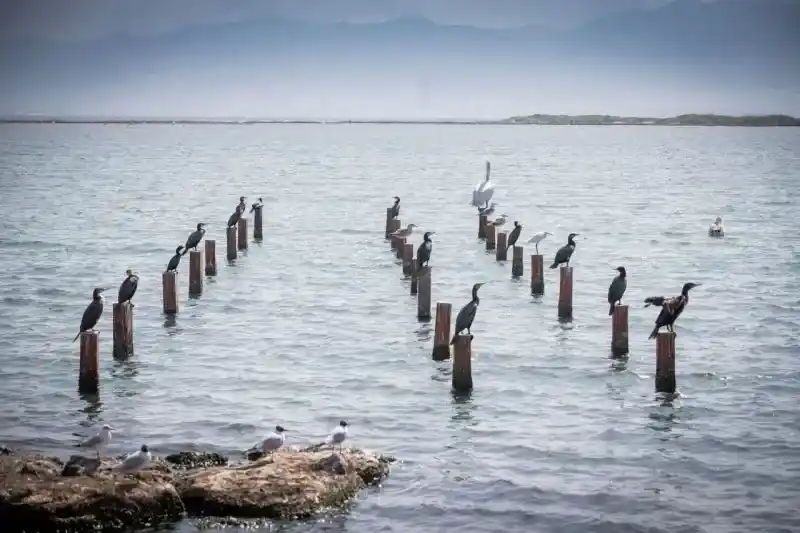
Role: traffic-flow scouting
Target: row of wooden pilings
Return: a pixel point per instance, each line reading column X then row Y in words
column 200, row 265
column 462, row 348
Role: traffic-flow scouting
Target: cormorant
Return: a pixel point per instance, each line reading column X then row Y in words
column 487, row 210
column 234, row 218
column 195, row 238
column 404, row 232
column 654, row 300
column 424, row 250
column 396, row 207
column 499, row 221
column 175, row 261
column 257, row 205
column 128, row 287
column 539, row 237
column 242, row 204
column 92, row 313
column 617, row 289
column 467, row 313
column 671, row 309
column 512, row 238
column 565, row 252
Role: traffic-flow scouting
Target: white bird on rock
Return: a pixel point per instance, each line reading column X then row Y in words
column 338, row 435
column 135, row 461
column 539, row 237
column 98, row 441
column 273, row 441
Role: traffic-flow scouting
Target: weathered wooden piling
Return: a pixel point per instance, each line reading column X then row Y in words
column 123, row 329
column 195, row 272
column 230, row 235
column 414, row 282
column 502, row 252
column 490, row 236
column 441, row 336
column 258, row 230
column 619, row 331
column 395, row 225
column 537, row 274
column 565, row 293
column 169, row 281
column 389, row 218
column 483, row 220
column 401, row 244
column 242, row 226
column 89, row 370
column 462, row 364
column 517, row 262
column 211, row 258
column 408, row 258
column 424, row 296
column 665, row 362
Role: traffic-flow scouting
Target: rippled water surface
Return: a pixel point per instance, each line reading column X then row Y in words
column 316, row 323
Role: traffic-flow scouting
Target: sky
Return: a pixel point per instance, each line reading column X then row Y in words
column 195, row 58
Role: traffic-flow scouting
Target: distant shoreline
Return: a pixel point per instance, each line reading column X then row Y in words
column 529, row 120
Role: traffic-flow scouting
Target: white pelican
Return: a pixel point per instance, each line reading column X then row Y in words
column 499, row 221
column 716, row 229
column 539, row 237
column 135, row 461
column 404, row 232
column 483, row 191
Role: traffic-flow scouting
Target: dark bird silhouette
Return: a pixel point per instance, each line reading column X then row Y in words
column 467, row 313
column 396, row 207
column 514, row 235
column 617, row 289
column 424, row 250
column 565, row 252
column 257, row 205
column 234, row 218
column 128, row 287
column 195, row 237
column 671, row 309
column 242, row 204
column 175, row 261
column 654, row 300
column 92, row 313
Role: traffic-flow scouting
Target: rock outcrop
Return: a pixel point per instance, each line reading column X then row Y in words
column 44, row 494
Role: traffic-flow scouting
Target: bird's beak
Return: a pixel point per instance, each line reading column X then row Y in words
column 432, row 232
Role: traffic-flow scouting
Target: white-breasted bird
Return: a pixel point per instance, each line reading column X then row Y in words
column 338, row 435
column 135, row 461
column 716, row 229
column 499, row 221
column 405, row 232
column 483, row 191
column 539, row 237
column 98, row 441
column 273, row 441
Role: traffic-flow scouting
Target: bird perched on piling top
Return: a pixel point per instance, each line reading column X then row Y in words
column 424, row 250
column 236, row 216
column 514, row 236
column 539, row 237
column 396, row 207
column 257, row 205
column 195, row 237
column 671, row 308
column 499, row 221
column 92, row 313
column 242, row 204
column 565, row 252
column 487, row 210
column 172, row 266
column 128, row 287
column 404, row 232
column 483, row 191
column 467, row 314
column 617, row 289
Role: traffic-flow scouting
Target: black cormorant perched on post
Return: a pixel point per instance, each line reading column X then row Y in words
column 128, row 287
column 514, row 235
column 175, row 261
column 396, row 207
column 234, row 218
column 257, row 205
column 424, row 250
column 671, row 309
column 195, row 238
column 92, row 313
column 565, row 252
column 242, row 204
column 467, row 313
column 617, row 289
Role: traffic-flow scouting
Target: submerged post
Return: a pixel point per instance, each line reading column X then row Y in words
column 502, row 253
column 408, row 258
column 619, row 331
column 462, row 364
column 230, row 235
column 441, row 337
column 258, row 231
column 211, row 258
column 483, row 220
column 517, row 262
column 537, row 274
column 389, row 218
column 242, row 225
column 665, row 362
column 565, row 293
column 123, row 329
column 89, row 372
column 424, row 296
column 490, row 236
column 170, row 293
column 195, row 272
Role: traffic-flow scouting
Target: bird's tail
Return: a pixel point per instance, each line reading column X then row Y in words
column 76, row 336
column 454, row 340
column 554, row 265
column 610, row 309
column 654, row 333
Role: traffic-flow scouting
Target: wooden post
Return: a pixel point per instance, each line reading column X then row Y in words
column 231, row 238
column 401, row 243
column 424, row 296
column 483, row 220
column 242, row 233
column 408, row 258
column 170, row 293
column 258, row 231
column 123, row 329
column 89, row 372
column 665, row 362
column 195, row 272
column 389, row 218
column 211, row 258
column 490, row 237
column 414, row 282
column 502, row 252
column 395, row 226
column 462, row 364
column 537, row 274
column 441, row 338
column 619, row 331
column 565, row 293
column 517, row 262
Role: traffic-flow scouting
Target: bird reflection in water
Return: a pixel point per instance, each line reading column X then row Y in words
column 93, row 407
column 462, row 407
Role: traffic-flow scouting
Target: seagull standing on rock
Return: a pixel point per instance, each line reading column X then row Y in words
column 135, row 461
column 273, row 441
column 338, row 435
column 98, row 441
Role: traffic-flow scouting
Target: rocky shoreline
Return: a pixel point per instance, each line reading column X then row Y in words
column 45, row 494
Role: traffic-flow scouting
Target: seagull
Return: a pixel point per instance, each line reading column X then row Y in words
column 338, row 435
column 483, row 191
column 98, row 441
column 499, row 221
column 257, row 205
column 404, row 232
column 539, row 237
column 135, row 461
column 273, row 441
column 487, row 210
column 716, row 229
